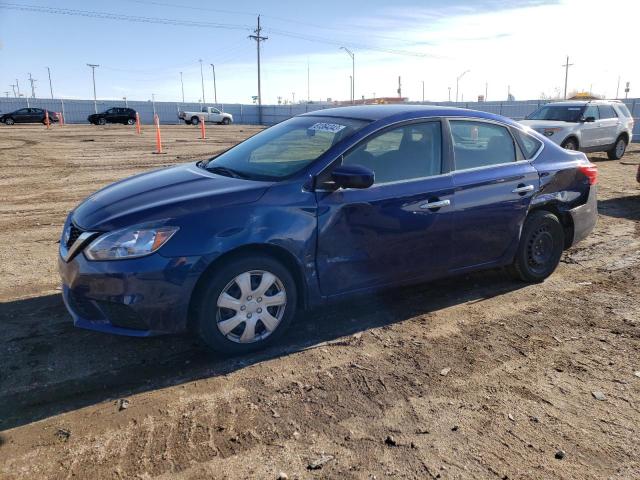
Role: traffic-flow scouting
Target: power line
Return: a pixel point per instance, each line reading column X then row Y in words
column 192, row 23
column 126, row 18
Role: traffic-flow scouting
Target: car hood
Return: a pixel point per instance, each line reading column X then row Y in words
column 163, row 194
column 538, row 124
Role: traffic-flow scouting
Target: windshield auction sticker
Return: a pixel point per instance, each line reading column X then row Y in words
column 327, row 127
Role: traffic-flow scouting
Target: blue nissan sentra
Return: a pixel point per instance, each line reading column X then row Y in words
column 321, row 206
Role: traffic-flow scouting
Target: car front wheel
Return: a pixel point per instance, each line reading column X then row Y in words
column 245, row 305
column 226, row 121
column 617, row 152
column 9, row 121
column 540, row 248
column 570, row 144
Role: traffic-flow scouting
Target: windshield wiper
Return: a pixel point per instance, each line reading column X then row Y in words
column 227, row 172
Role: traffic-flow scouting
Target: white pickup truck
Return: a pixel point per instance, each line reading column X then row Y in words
column 208, row 115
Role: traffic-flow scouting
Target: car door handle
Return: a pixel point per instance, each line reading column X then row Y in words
column 436, row 204
column 523, row 189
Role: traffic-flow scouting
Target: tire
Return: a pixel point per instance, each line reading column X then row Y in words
column 102, row 121
column 195, row 121
column 570, row 144
column 245, row 307
column 9, row 121
column 618, row 150
column 226, row 121
column 130, row 121
column 540, row 248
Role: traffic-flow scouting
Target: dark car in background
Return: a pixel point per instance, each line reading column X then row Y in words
column 28, row 115
column 126, row 116
column 321, row 206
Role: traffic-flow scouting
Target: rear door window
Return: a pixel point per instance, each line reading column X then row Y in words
column 481, row 144
column 607, row 111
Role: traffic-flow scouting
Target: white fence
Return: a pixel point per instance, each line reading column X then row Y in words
column 77, row 111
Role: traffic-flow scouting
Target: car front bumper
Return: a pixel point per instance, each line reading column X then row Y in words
column 585, row 217
column 137, row 297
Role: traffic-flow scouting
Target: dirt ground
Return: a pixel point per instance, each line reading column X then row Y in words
column 471, row 377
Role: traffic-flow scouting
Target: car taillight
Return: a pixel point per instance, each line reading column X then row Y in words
column 591, row 172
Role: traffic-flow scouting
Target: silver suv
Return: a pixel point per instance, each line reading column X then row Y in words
column 588, row 126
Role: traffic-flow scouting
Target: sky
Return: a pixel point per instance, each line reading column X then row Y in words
column 500, row 44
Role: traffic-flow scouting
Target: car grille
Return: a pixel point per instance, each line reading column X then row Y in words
column 121, row 315
column 74, row 233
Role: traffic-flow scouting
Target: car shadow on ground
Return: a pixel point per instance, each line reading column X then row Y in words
column 52, row 367
column 623, row 207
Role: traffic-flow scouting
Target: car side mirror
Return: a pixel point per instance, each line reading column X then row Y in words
column 353, row 176
column 590, row 119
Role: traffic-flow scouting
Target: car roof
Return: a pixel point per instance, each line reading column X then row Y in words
column 379, row 112
column 569, row 103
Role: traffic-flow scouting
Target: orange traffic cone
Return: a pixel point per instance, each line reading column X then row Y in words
column 158, row 137
column 46, row 119
column 203, row 134
column 138, row 123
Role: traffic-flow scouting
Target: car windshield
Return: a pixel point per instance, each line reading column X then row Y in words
column 284, row 149
column 561, row 113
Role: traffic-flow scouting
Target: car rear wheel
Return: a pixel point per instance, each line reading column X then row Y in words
column 130, row 121
column 195, row 120
column 246, row 305
column 540, row 248
column 102, row 121
column 570, row 144
column 617, row 152
column 9, row 121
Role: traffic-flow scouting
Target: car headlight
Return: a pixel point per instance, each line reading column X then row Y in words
column 550, row 131
column 131, row 242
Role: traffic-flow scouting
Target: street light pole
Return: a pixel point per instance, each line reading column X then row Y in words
column 126, row 103
column 458, row 82
column 93, row 75
column 566, row 75
column 422, row 91
column 202, row 80
column 215, row 92
column 50, row 84
column 182, row 85
column 353, row 73
column 259, row 38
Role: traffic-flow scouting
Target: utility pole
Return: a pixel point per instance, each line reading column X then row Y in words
column 259, row 38
column 50, row 84
column 182, row 86
column 126, row 103
column 353, row 73
column 293, row 97
column 449, row 93
column 458, row 82
column 14, row 90
column 618, row 87
column 33, row 88
column 202, row 80
column 18, row 86
column 566, row 75
column 308, row 88
column 6, row 94
column 93, row 75
column 153, row 103
column 215, row 91
column 399, row 87
column 626, row 90
column 486, row 90
column 422, row 91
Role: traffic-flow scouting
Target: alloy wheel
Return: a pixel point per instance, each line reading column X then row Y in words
column 251, row 306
